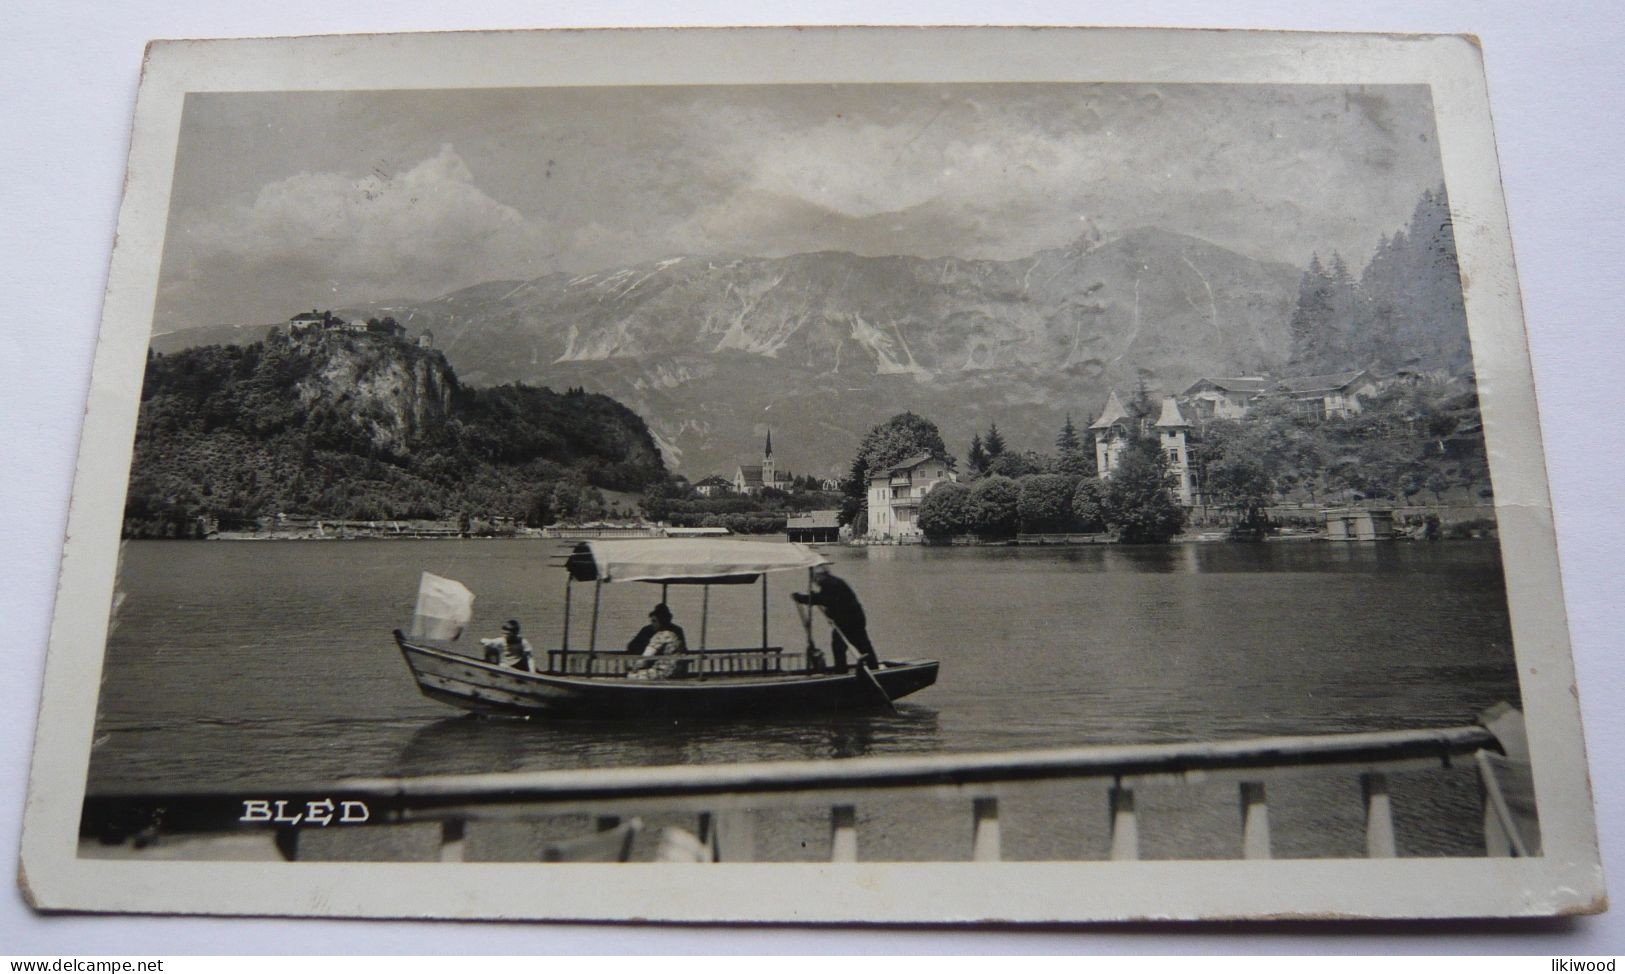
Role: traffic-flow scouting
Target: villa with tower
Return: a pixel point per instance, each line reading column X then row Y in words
column 1115, row 428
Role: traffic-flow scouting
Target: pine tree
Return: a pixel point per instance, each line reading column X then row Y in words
column 1067, row 441
column 977, row 457
column 994, row 443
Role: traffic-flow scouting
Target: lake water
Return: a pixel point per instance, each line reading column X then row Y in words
column 270, row 664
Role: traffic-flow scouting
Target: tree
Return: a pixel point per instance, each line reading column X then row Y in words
column 899, row 438
column 539, row 511
column 1138, row 503
column 1045, row 502
column 1079, row 463
column 1018, row 465
column 1241, row 484
column 1089, row 506
column 1067, row 440
column 1142, row 406
column 994, row 441
column 976, row 458
column 1070, row 456
column 946, row 511
column 995, row 507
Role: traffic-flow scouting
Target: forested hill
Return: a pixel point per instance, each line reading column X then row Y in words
column 365, row 427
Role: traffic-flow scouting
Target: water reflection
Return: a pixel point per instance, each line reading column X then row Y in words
column 455, row 744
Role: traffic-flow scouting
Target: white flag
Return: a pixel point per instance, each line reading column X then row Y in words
column 444, row 608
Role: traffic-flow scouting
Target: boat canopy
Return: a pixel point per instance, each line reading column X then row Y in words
column 691, row 561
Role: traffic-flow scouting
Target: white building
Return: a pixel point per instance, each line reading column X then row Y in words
column 1116, row 428
column 1334, row 396
column 1225, row 398
column 1171, row 427
column 895, row 494
column 1112, row 432
column 713, row 486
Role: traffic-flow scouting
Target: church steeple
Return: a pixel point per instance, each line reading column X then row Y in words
column 767, row 460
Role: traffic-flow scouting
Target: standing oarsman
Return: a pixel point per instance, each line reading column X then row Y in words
column 844, row 611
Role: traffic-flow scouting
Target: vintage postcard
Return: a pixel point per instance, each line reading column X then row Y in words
column 830, row 475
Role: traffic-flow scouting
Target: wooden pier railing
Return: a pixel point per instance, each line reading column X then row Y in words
column 725, row 797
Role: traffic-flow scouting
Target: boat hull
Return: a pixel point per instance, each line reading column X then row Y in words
column 481, row 687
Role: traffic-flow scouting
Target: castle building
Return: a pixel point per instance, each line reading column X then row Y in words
column 1116, row 428
column 1112, row 431
column 754, row 478
column 1171, row 427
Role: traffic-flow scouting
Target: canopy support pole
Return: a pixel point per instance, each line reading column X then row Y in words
column 806, row 618
column 705, row 612
column 592, row 641
column 764, row 612
column 564, row 641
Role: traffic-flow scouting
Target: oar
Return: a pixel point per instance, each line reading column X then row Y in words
column 866, row 675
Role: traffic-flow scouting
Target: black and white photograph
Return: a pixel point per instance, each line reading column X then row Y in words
column 849, row 473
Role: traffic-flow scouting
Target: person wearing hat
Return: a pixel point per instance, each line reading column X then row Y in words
column 510, row 648
column 845, row 613
column 658, row 642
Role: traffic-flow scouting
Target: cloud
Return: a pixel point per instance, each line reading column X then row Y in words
column 332, row 238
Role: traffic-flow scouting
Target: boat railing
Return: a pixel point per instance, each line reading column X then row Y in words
column 728, row 799
column 710, row 662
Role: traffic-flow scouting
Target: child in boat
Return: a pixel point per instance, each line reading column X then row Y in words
column 660, row 642
column 510, row 648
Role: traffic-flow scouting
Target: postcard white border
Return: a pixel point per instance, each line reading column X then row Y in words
column 1566, row 879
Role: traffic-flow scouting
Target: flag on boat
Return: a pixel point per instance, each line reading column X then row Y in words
column 444, row 607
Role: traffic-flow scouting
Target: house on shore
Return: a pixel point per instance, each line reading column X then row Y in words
column 1115, row 429
column 895, row 494
column 713, row 486
column 1225, row 398
column 814, row 527
column 1334, row 395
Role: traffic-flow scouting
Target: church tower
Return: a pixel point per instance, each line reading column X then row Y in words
column 767, row 460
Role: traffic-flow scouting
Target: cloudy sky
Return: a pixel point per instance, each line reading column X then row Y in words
column 287, row 201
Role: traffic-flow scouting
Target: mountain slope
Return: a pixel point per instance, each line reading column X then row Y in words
column 712, row 351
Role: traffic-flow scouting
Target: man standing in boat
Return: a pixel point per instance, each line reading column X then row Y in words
column 844, row 611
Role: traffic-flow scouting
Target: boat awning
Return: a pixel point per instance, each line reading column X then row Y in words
column 687, row 561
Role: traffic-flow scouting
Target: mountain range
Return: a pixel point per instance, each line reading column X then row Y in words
column 712, row 351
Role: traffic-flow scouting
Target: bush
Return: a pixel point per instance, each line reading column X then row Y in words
column 1089, row 506
column 1045, row 502
column 946, row 511
column 995, row 507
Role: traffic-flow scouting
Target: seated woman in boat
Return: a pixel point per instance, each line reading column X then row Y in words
column 660, row 642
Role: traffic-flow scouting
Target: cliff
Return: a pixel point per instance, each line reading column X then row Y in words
column 364, row 427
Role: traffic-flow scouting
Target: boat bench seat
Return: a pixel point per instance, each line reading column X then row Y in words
column 710, row 662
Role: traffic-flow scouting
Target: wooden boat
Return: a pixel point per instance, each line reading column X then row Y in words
column 590, row 682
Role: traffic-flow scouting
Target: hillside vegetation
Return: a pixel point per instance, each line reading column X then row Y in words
column 365, row 427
